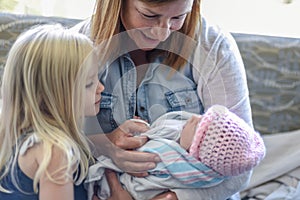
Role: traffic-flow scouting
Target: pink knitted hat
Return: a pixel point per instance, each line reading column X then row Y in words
column 226, row 143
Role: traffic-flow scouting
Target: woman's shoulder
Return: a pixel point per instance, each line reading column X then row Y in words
column 217, row 52
column 214, row 36
column 215, row 44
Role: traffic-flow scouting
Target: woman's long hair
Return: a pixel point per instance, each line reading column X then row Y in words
column 106, row 23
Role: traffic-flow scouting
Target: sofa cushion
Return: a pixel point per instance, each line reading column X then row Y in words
column 11, row 25
column 273, row 73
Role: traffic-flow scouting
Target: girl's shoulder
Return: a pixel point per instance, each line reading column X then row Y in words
column 34, row 151
column 29, row 153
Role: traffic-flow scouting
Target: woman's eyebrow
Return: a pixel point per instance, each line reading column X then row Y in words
column 156, row 14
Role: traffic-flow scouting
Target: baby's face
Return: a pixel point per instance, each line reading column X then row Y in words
column 188, row 131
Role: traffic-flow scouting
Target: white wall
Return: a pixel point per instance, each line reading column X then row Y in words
column 79, row 9
column 268, row 17
column 271, row 17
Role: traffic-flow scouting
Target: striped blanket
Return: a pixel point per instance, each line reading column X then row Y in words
column 178, row 169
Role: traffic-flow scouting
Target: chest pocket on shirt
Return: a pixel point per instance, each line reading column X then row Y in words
column 184, row 100
column 105, row 116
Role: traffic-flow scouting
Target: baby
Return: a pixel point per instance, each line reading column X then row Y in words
column 196, row 151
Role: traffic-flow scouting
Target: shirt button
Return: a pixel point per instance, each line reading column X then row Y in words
column 188, row 100
column 142, row 109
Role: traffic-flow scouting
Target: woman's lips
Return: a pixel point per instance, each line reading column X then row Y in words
column 149, row 39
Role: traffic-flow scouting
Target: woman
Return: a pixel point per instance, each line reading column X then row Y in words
column 166, row 58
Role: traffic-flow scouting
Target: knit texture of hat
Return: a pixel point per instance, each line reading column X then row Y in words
column 226, row 143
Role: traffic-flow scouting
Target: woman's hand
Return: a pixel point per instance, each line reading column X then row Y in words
column 123, row 136
column 134, row 162
column 119, row 145
column 116, row 190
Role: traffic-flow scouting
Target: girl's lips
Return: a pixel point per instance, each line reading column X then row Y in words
column 98, row 102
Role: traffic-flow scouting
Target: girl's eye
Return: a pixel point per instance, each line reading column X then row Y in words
column 89, row 85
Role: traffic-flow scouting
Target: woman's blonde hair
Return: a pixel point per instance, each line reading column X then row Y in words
column 43, row 92
column 106, row 23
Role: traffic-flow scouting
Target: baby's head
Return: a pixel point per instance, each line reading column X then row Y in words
column 226, row 143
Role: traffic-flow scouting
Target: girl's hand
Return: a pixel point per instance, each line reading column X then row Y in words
column 166, row 196
column 95, row 198
column 116, row 190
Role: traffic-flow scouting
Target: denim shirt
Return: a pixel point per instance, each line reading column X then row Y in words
column 162, row 90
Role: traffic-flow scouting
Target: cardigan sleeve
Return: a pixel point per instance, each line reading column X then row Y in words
column 220, row 75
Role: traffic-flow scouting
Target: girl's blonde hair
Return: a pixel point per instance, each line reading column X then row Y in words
column 106, row 23
column 43, row 92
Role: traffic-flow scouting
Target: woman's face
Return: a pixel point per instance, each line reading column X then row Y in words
column 150, row 24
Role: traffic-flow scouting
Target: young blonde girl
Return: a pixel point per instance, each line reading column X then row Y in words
column 50, row 82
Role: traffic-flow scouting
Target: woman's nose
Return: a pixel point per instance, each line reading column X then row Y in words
column 162, row 32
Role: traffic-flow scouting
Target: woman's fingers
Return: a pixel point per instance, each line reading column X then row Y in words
column 140, row 174
column 134, row 126
column 130, row 160
column 134, row 161
column 126, row 141
column 131, row 142
column 123, row 135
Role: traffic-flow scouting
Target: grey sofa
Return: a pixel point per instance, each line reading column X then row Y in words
column 272, row 66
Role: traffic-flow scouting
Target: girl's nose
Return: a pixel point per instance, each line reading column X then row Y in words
column 100, row 87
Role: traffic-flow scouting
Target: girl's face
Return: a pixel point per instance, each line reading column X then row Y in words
column 93, row 94
column 153, row 24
